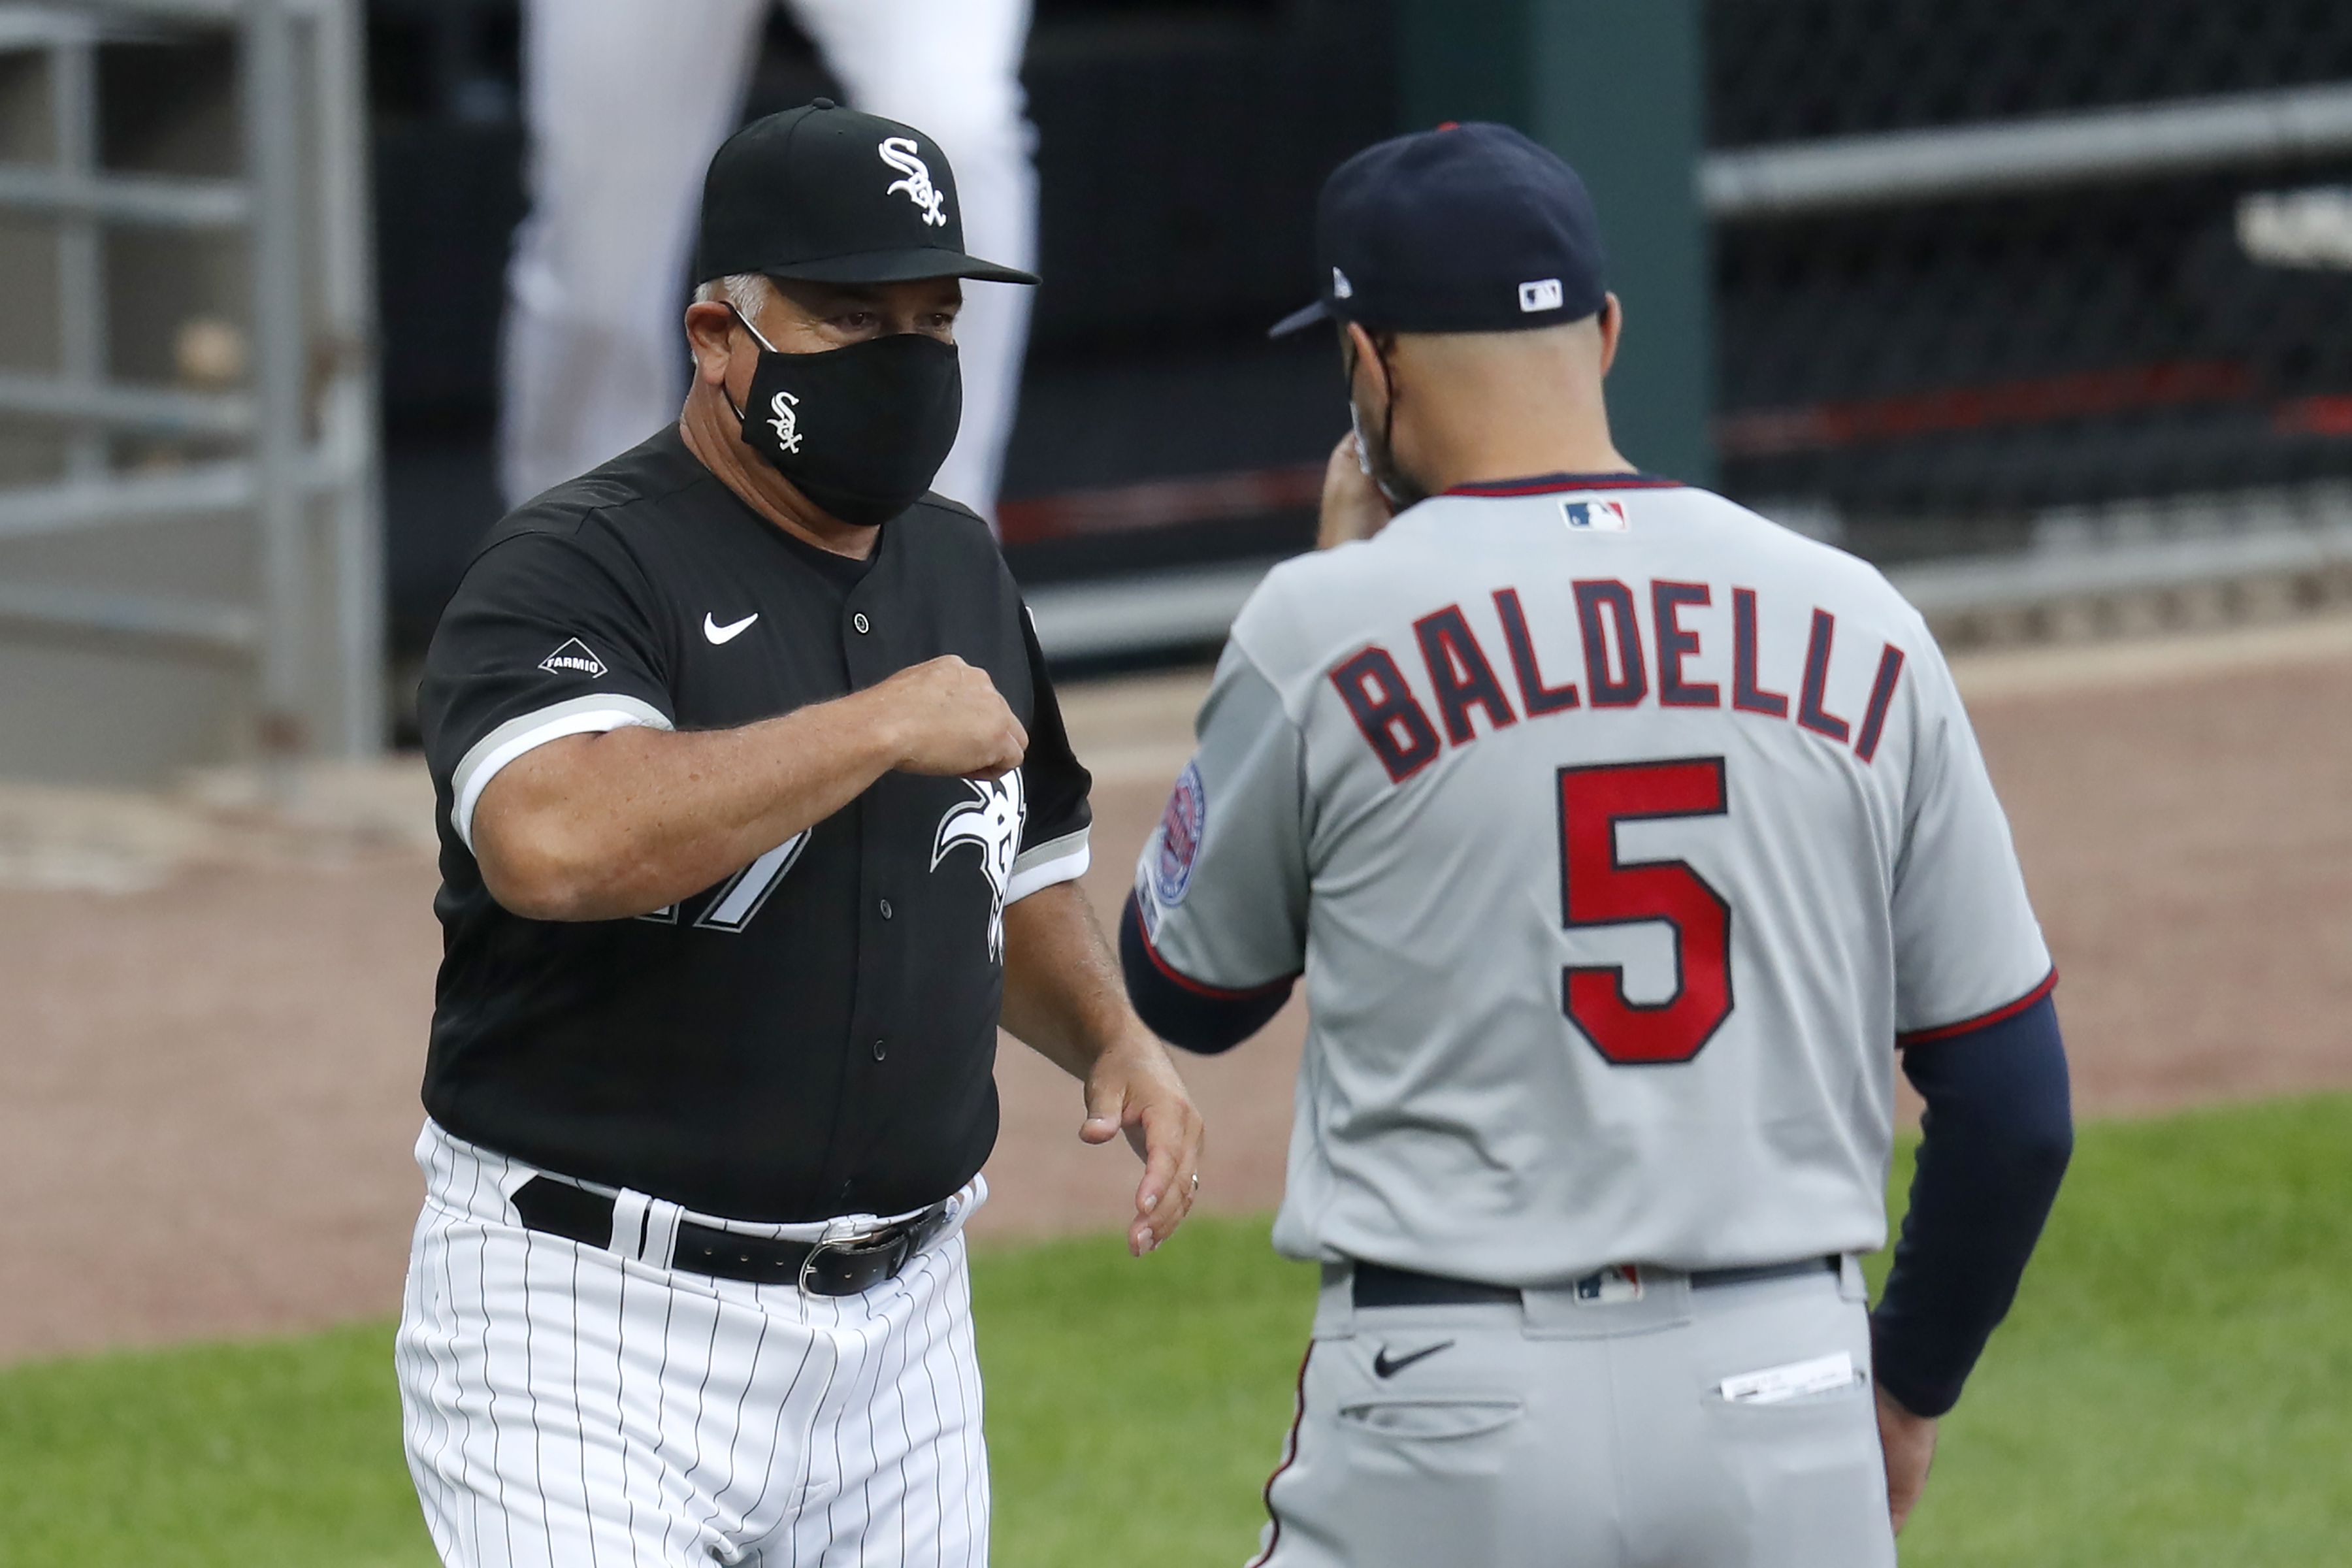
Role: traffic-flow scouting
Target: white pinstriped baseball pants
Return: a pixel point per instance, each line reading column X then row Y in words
column 564, row 1406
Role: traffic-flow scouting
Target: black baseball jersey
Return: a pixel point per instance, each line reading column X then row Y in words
column 814, row 1036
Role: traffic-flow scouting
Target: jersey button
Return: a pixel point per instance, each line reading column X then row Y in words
column 881, row 1050
column 861, row 622
column 886, row 909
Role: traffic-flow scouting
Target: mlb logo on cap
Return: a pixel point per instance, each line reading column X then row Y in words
column 1594, row 515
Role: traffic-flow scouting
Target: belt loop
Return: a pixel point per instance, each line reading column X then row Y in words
column 1852, row 1286
column 660, row 1246
column 629, row 1223
column 1335, row 1305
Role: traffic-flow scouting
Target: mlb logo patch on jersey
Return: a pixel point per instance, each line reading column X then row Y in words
column 1616, row 1283
column 573, row 659
column 1180, row 836
column 1593, row 514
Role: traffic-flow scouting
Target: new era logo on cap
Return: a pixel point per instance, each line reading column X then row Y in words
column 1543, row 294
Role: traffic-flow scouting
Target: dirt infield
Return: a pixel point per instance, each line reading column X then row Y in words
column 214, row 1017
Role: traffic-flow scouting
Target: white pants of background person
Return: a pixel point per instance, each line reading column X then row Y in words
column 627, row 100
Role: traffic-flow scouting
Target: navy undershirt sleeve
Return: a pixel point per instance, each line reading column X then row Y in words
column 1184, row 1012
column 1995, row 1140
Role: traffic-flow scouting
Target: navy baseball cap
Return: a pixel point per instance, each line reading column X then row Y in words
column 1466, row 229
column 829, row 195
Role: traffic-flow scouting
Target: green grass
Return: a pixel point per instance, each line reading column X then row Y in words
column 2175, row 1387
column 2175, row 1384
column 277, row 1455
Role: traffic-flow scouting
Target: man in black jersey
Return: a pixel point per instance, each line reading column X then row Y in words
column 756, row 811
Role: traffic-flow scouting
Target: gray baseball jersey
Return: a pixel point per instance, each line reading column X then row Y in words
column 1621, row 835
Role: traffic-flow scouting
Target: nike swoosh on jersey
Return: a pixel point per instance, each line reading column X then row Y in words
column 1383, row 1367
column 728, row 633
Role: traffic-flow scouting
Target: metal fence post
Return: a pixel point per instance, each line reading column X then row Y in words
column 347, row 419
column 81, row 254
column 280, row 340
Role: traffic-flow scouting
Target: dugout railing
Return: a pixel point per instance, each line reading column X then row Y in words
column 198, row 559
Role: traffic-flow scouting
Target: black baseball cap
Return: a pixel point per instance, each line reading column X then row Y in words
column 1466, row 229
column 828, row 194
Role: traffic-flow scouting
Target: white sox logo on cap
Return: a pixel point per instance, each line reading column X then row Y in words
column 900, row 152
column 787, row 422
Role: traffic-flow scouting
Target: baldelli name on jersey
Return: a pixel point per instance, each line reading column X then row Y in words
column 1617, row 650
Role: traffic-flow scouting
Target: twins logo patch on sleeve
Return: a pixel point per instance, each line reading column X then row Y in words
column 1180, row 836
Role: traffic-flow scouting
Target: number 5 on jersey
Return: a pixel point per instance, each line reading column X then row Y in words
column 1598, row 889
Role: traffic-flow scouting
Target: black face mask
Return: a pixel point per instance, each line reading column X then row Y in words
column 861, row 431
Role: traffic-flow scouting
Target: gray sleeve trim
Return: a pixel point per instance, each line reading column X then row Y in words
column 1063, row 859
column 592, row 714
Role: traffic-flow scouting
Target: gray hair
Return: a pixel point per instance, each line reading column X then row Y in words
column 749, row 292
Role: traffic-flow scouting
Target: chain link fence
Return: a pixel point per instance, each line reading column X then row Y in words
column 1980, row 264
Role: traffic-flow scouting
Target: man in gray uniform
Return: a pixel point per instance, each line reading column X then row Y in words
column 1622, row 836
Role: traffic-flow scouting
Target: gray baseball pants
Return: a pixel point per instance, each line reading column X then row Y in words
column 1708, row 1428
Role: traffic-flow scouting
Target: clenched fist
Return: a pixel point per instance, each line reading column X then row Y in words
column 945, row 718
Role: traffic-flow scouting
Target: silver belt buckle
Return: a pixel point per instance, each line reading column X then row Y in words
column 851, row 1245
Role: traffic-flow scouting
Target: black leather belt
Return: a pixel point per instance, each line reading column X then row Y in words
column 819, row 1267
column 1378, row 1285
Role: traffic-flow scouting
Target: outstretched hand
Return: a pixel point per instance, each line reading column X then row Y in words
column 1134, row 1089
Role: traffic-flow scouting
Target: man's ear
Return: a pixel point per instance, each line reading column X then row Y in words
column 1612, row 323
column 710, row 336
column 1365, row 359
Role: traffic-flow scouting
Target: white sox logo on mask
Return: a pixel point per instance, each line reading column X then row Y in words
column 900, row 152
column 787, row 422
column 991, row 823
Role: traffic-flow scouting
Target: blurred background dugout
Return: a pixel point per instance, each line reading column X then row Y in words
column 2043, row 306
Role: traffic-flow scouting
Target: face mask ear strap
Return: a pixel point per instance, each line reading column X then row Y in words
column 1388, row 433
column 1388, row 414
column 757, row 336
